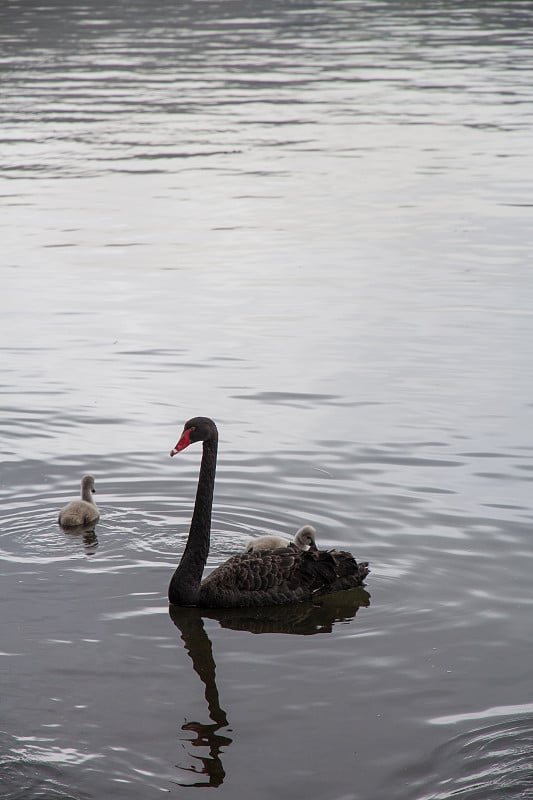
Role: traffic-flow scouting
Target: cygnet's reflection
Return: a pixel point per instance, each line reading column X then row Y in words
column 304, row 619
column 87, row 533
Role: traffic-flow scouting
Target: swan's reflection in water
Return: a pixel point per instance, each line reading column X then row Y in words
column 305, row 619
column 87, row 534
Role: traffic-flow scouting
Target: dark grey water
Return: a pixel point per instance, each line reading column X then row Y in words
column 313, row 222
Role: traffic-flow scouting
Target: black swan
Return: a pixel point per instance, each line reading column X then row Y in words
column 81, row 512
column 304, row 539
column 267, row 578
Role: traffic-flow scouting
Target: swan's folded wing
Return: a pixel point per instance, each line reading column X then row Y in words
column 277, row 577
column 256, row 571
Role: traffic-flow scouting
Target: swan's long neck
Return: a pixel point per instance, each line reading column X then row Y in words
column 184, row 587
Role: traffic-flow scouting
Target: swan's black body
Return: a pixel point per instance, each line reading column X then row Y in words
column 266, row 578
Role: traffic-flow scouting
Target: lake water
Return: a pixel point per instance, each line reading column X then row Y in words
column 313, row 222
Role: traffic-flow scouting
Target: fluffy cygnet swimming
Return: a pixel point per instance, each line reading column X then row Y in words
column 80, row 512
column 303, row 540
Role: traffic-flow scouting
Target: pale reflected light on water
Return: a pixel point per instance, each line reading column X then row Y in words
column 311, row 222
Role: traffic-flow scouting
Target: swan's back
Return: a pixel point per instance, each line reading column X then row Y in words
column 279, row 577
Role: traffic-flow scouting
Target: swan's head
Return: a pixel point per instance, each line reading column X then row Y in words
column 87, row 484
column 305, row 538
column 197, row 429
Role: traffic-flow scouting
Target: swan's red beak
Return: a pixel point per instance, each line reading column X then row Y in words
column 184, row 441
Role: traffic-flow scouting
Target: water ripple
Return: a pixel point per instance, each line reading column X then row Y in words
column 486, row 763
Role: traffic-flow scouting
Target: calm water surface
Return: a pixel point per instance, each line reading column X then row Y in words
column 313, row 222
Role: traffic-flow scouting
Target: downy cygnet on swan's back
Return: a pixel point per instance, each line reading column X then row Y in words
column 80, row 512
column 303, row 540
